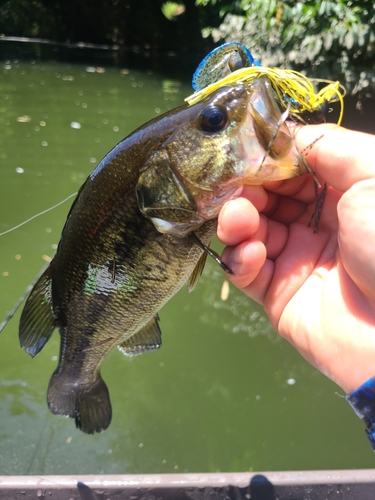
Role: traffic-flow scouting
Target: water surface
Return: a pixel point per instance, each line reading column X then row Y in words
column 224, row 393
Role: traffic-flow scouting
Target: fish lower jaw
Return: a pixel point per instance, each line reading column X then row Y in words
column 267, row 172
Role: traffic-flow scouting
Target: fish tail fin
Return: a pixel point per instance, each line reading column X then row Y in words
column 88, row 404
column 37, row 320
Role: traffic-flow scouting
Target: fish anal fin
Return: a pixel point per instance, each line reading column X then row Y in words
column 37, row 320
column 89, row 404
column 197, row 272
column 145, row 340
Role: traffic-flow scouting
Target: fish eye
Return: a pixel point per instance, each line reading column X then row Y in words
column 213, row 118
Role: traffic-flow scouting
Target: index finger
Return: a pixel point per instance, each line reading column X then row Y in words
column 340, row 156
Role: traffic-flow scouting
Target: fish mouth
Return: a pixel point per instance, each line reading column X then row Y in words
column 267, row 157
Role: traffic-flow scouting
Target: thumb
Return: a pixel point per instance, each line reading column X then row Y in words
column 340, row 156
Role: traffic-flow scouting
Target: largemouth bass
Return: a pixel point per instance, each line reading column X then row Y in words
column 130, row 239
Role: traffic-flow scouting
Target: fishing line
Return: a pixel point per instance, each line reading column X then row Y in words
column 37, row 215
column 29, row 288
column 10, row 315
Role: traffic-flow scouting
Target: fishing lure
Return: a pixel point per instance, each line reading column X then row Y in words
column 221, row 61
column 295, row 94
column 232, row 62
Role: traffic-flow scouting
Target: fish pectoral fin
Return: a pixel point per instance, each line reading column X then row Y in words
column 37, row 320
column 146, row 340
column 197, row 272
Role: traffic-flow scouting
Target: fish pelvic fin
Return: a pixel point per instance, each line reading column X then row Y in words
column 37, row 319
column 146, row 340
column 88, row 404
column 197, row 272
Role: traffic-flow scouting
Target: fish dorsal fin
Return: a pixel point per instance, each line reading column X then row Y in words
column 146, row 340
column 37, row 320
column 197, row 272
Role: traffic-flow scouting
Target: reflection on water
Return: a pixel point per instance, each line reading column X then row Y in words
column 219, row 394
column 242, row 314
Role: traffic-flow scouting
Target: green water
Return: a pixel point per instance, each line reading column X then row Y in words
column 219, row 395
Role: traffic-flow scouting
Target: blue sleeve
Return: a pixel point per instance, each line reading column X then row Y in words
column 362, row 400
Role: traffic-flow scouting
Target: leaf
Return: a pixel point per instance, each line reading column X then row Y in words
column 318, row 46
column 328, row 39
column 322, row 8
column 362, row 35
column 349, row 40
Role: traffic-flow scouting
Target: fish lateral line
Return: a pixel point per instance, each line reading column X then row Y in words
column 98, row 344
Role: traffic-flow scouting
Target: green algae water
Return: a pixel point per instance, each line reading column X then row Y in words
column 224, row 393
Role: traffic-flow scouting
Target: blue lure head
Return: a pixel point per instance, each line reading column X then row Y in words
column 222, row 61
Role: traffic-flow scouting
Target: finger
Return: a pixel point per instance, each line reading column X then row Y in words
column 301, row 253
column 257, row 195
column 283, row 209
column 300, row 188
column 258, row 287
column 238, row 221
column 252, row 271
column 342, row 157
column 277, row 237
column 356, row 211
column 256, row 284
column 245, row 260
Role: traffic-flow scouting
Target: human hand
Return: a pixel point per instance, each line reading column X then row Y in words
column 318, row 290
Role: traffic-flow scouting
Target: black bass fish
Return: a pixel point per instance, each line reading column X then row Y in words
column 130, row 239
